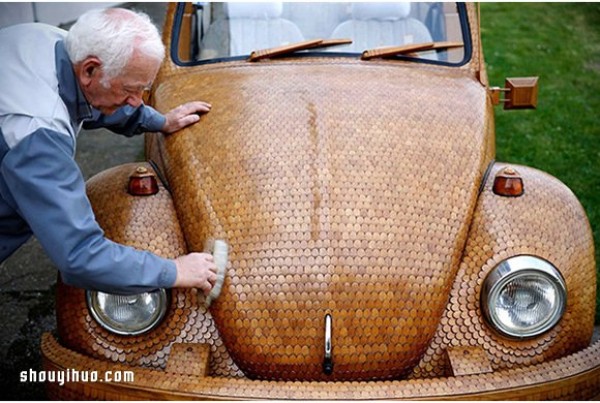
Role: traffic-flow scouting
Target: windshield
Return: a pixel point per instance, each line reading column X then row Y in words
column 225, row 30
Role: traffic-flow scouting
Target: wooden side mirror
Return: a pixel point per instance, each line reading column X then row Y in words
column 519, row 93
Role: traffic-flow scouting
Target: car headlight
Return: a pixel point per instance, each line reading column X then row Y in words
column 524, row 296
column 128, row 314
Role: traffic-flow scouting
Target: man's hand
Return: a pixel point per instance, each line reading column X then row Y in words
column 196, row 270
column 184, row 115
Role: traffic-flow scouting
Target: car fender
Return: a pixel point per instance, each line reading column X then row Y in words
column 143, row 222
column 546, row 221
column 147, row 223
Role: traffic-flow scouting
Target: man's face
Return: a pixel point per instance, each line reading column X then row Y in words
column 125, row 89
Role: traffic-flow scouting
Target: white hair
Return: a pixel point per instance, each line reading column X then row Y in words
column 112, row 35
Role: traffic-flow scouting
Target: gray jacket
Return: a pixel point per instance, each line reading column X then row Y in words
column 42, row 191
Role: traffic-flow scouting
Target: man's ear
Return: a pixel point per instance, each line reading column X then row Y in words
column 88, row 70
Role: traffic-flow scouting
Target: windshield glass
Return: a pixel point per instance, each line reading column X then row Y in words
column 224, row 30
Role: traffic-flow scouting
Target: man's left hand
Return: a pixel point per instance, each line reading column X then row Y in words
column 184, row 115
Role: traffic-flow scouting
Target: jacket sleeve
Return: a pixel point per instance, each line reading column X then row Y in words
column 48, row 191
column 128, row 121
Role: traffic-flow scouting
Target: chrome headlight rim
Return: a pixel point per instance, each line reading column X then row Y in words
column 157, row 318
column 514, row 268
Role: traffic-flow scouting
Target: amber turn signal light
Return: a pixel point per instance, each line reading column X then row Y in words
column 142, row 183
column 509, row 183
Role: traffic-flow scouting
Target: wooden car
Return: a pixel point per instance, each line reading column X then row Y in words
column 376, row 249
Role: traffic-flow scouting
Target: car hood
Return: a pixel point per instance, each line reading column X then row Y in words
column 341, row 188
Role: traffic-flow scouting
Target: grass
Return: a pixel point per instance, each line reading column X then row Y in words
column 560, row 43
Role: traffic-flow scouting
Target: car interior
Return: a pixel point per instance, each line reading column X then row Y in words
column 235, row 29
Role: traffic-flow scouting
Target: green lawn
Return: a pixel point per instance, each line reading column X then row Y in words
column 560, row 43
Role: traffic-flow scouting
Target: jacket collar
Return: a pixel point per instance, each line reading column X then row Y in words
column 68, row 88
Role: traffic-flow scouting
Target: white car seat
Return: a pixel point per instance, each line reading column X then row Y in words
column 248, row 27
column 375, row 25
column 316, row 20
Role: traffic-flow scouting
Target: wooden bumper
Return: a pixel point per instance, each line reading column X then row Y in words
column 574, row 377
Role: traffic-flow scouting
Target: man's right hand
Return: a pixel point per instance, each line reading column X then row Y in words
column 196, row 270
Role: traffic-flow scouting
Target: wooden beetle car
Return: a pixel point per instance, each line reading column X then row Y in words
column 376, row 248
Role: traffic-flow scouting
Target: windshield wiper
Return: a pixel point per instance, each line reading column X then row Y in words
column 408, row 50
column 295, row 47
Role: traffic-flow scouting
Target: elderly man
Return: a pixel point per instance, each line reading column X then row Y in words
column 52, row 83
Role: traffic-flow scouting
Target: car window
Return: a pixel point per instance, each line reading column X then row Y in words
column 228, row 30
